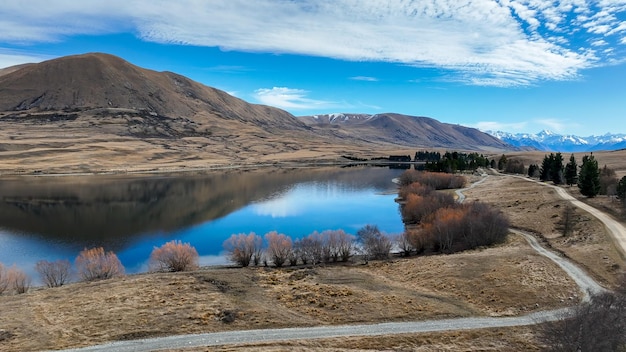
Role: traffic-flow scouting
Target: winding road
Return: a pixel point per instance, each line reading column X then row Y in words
column 587, row 285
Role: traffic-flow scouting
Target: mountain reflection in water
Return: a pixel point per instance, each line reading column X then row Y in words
column 55, row 217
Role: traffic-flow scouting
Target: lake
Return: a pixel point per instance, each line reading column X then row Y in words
column 56, row 217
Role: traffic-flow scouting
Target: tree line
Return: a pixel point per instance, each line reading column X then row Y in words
column 590, row 179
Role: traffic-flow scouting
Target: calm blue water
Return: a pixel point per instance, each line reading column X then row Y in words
column 43, row 218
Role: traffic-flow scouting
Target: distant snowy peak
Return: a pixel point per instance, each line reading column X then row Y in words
column 341, row 117
column 550, row 141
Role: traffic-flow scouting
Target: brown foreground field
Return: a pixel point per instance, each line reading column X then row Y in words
column 510, row 279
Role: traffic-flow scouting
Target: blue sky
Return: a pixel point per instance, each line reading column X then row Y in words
column 511, row 65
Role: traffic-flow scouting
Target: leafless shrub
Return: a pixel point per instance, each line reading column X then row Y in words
column 597, row 325
column 96, row 264
column 464, row 227
column 404, row 244
column 54, row 274
column 279, row 247
column 242, row 248
column 4, row 279
column 18, row 280
column 309, row 248
column 174, row 256
column 417, row 207
column 375, row 244
column 436, row 180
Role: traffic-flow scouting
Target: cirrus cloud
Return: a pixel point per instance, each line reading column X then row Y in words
column 289, row 98
column 481, row 42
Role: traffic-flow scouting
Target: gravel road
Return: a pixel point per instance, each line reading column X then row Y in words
column 586, row 283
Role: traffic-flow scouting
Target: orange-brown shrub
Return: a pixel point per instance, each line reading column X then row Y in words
column 436, row 180
column 174, row 256
column 242, row 248
column 54, row 274
column 417, row 207
column 464, row 227
column 415, row 188
column 18, row 280
column 96, row 264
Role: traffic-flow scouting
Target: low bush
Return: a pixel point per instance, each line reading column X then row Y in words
column 243, row 249
column 96, row 264
column 54, row 274
column 174, row 256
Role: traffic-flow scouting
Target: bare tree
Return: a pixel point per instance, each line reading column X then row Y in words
column 54, row 274
column 242, row 248
column 597, row 325
column 279, row 247
column 96, row 264
column 374, row 243
column 310, row 248
column 174, row 256
column 404, row 243
column 4, row 279
column 19, row 281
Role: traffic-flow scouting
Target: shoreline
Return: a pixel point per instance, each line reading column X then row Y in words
column 217, row 167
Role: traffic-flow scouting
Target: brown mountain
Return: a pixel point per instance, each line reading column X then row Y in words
column 407, row 130
column 97, row 112
column 105, row 81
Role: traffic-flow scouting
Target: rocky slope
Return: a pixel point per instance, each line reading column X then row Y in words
column 407, row 130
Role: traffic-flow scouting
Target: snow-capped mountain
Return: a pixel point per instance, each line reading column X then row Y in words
column 550, row 141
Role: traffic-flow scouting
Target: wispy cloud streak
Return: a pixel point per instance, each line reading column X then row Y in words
column 483, row 42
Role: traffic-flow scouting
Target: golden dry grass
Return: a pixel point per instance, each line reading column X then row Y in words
column 509, row 279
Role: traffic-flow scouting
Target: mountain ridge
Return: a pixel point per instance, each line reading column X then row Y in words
column 547, row 140
column 97, row 111
column 407, row 130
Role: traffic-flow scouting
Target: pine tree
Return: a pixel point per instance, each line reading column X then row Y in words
column 621, row 188
column 571, row 171
column 556, row 169
column 546, row 165
column 589, row 177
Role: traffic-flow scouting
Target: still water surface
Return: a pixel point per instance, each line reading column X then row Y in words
column 55, row 218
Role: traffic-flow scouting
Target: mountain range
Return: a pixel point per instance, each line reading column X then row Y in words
column 549, row 141
column 98, row 112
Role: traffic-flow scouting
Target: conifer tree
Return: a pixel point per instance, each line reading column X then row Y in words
column 571, row 171
column 589, row 177
column 556, row 169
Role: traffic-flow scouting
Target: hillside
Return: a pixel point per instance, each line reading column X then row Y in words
column 407, row 130
column 99, row 113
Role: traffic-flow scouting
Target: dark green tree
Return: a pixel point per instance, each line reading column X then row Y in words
column 571, row 171
column 621, row 189
column 556, row 169
column 502, row 162
column 546, row 165
column 533, row 170
column 589, row 177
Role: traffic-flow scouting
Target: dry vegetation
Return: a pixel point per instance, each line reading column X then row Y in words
column 509, row 279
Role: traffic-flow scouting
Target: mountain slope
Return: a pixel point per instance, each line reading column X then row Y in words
column 407, row 130
column 98, row 80
column 97, row 112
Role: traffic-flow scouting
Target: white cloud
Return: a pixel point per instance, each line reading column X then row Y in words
column 364, row 78
column 500, row 126
column 490, row 42
column 289, row 98
column 12, row 58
